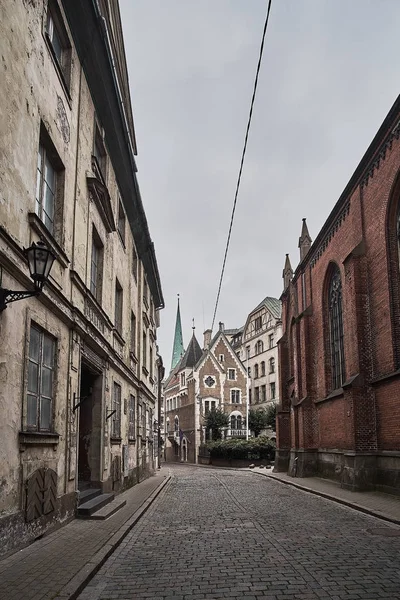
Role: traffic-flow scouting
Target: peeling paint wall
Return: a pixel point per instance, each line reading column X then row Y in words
column 37, row 106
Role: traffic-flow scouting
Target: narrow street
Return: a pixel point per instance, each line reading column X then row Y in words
column 226, row 534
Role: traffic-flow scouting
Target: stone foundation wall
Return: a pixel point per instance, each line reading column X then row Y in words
column 16, row 533
column 354, row 471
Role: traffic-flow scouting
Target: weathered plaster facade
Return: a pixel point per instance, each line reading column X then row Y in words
column 99, row 312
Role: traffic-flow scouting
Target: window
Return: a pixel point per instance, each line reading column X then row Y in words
column 256, row 371
column 183, row 378
column 259, row 347
column 151, row 362
column 272, row 365
column 134, row 263
column 257, row 323
column 263, row 393
column 209, row 405
column 262, row 369
column 221, row 358
column 96, row 267
column 247, row 351
column 100, row 154
column 249, row 371
column 133, row 333
column 121, row 221
column 132, row 408
column 144, row 350
column 116, row 418
column 46, row 187
column 235, row 396
column 249, row 395
column 58, row 40
column 118, row 306
column 145, row 292
column 272, row 390
column 257, row 394
column 236, row 422
column 336, row 328
column 232, row 374
column 176, row 423
column 271, row 340
column 41, row 367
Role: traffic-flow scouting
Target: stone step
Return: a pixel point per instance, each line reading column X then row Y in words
column 86, row 509
column 108, row 510
column 88, row 494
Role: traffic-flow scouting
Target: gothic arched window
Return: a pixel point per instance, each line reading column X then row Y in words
column 336, row 328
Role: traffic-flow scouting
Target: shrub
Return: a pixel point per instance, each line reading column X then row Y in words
column 254, row 449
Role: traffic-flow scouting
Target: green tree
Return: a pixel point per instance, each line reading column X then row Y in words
column 216, row 420
column 258, row 420
column 271, row 416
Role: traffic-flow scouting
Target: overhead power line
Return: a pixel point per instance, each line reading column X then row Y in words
column 242, row 160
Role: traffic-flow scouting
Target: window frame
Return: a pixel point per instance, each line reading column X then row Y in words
column 270, row 341
column 272, row 390
column 258, row 323
column 53, row 21
column 96, row 268
column 133, row 334
column 335, row 328
column 132, row 418
column 230, row 370
column 121, row 222
column 37, row 427
column 118, row 306
column 262, row 368
column 272, row 364
column 233, row 393
column 116, row 405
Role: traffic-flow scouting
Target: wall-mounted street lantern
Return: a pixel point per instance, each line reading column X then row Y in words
column 40, row 260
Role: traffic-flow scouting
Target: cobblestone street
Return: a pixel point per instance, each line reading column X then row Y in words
column 226, row 534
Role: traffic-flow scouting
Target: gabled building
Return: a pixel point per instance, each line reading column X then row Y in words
column 256, row 345
column 78, row 378
column 212, row 377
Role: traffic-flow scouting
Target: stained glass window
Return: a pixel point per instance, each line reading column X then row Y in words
column 336, row 329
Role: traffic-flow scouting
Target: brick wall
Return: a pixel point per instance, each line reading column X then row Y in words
column 360, row 238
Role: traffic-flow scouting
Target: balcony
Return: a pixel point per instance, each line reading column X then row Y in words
column 236, row 433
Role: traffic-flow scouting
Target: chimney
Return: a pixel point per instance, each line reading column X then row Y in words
column 221, row 326
column 287, row 273
column 304, row 240
column 207, row 339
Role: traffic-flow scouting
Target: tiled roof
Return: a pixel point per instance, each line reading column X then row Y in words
column 192, row 354
column 273, row 305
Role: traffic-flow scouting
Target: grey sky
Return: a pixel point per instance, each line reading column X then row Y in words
column 328, row 78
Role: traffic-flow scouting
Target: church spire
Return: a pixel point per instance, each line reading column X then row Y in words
column 178, row 349
column 287, row 272
column 304, row 240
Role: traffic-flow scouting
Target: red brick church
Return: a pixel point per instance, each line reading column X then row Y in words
column 339, row 356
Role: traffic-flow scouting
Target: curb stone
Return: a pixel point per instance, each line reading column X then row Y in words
column 354, row 505
column 76, row 585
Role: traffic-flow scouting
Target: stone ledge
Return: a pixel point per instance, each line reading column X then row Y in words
column 37, row 438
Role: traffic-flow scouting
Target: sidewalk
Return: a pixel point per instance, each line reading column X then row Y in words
column 60, row 564
column 378, row 504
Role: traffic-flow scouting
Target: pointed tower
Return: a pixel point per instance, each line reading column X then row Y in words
column 304, row 240
column 178, row 349
column 287, row 273
column 193, row 352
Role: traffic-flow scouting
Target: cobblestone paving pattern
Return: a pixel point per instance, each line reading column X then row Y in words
column 229, row 534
